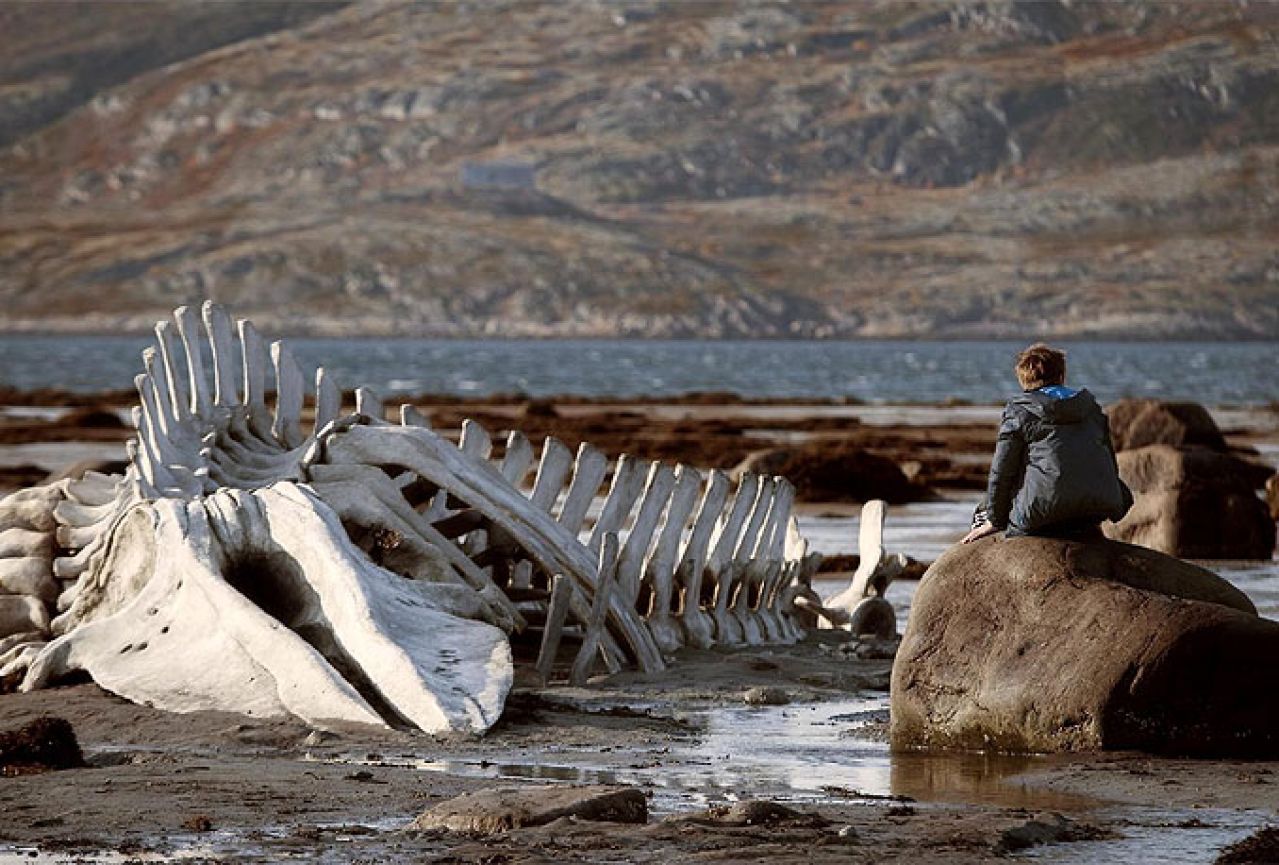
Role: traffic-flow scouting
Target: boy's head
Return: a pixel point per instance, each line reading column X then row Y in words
column 1040, row 366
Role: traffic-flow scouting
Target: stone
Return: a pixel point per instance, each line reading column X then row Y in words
column 751, row 812
column 1136, row 423
column 1259, row 848
column 1193, row 502
column 1047, row 829
column 873, row 617
column 501, row 809
column 93, row 417
column 824, row 471
column 765, row 696
column 1039, row 645
column 45, row 743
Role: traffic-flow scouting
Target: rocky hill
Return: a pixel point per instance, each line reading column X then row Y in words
column 589, row 168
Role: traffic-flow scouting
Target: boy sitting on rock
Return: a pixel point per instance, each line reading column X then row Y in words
column 1054, row 472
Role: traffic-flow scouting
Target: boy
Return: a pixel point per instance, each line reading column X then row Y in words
column 1054, row 472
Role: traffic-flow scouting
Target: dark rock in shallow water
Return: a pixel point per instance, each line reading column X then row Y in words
column 46, row 743
column 93, row 417
column 824, row 471
column 1193, row 502
column 501, row 809
column 1033, row 644
column 1049, row 829
column 1259, row 848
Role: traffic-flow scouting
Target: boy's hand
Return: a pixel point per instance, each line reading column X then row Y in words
column 979, row 533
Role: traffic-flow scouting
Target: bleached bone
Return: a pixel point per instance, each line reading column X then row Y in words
column 481, row 486
column 556, row 614
column 588, row 473
column 287, row 428
column 659, row 572
column 518, row 458
column 232, row 521
column 198, row 388
column 196, row 438
column 368, row 403
column 722, row 566
column 605, row 591
column 699, row 627
column 749, row 569
column 552, row 472
column 328, row 401
column 194, row 616
column 630, row 561
column 364, row 495
column 254, row 363
column 218, row 325
column 411, row 416
column 628, row 480
column 179, row 398
column 771, row 548
column 475, row 440
column 862, row 604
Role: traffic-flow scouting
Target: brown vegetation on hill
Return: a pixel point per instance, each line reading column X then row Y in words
column 985, row 167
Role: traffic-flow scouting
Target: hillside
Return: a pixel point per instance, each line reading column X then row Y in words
column 592, row 168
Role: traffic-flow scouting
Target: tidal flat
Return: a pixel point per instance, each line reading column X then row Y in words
column 219, row 787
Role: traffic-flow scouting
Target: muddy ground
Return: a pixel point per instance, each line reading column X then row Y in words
column 213, row 786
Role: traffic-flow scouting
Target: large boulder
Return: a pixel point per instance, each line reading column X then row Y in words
column 1033, row 644
column 1195, row 503
column 834, row 471
column 1136, row 423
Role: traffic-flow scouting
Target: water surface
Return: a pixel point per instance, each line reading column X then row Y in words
column 1214, row 373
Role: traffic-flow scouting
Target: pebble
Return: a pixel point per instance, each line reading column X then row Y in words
column 764, row 696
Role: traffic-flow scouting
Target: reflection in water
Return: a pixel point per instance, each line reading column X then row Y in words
column 991, row 779
column 799, row 753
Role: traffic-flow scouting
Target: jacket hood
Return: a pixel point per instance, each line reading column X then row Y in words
column 1058, row 409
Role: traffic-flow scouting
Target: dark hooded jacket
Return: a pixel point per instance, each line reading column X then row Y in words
column 1054, row 465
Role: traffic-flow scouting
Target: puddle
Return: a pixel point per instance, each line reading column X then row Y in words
column 801, row 754
column 259, row 844
column 1154, row 836
column 24, row 855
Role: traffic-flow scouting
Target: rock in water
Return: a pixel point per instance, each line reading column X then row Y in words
column 1034, row 644
column 501, row 809
column 825, row 471
column 1193, row 502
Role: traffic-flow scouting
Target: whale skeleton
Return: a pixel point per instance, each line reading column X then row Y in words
column 267, row 557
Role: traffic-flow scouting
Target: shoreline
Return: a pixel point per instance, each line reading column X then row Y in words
column 212, row 785
column 217, row 787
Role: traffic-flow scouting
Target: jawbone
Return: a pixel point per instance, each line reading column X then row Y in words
column 257, row 602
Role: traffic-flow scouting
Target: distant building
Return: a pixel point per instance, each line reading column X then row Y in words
column 499, row 175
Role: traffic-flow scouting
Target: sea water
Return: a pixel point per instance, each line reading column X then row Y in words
column 1213, row 373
